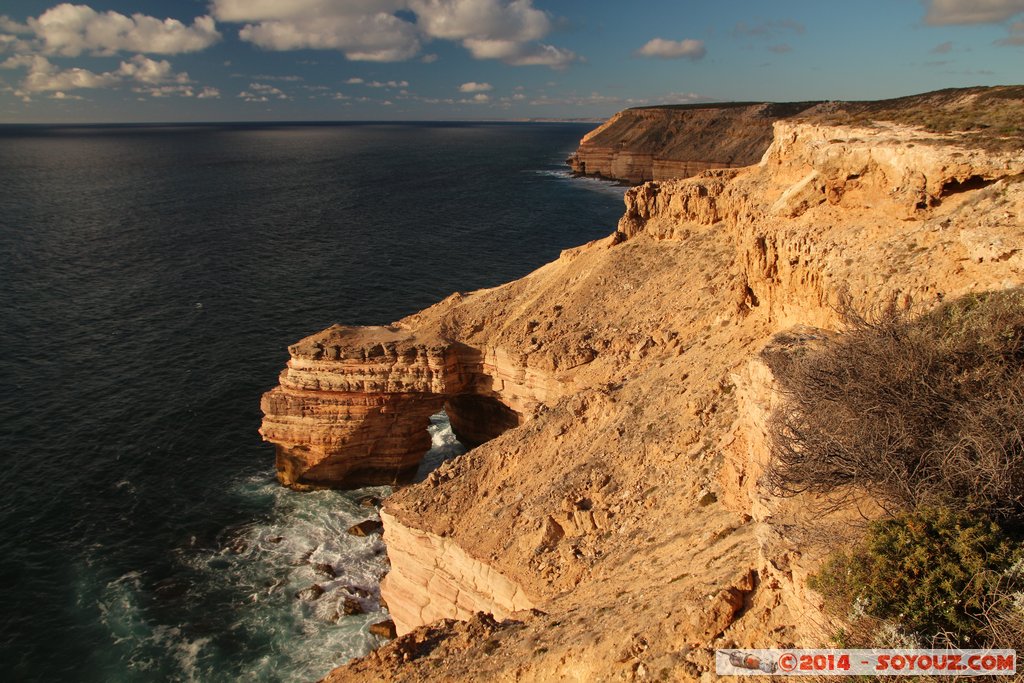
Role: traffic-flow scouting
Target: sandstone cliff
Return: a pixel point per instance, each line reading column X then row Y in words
column 657, row 143
column 614, row 524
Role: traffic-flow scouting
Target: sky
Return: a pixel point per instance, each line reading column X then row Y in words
column 325, row 60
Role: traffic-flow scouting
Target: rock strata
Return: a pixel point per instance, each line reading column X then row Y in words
column 679, row 141
column 433, row 578
column 353, row 404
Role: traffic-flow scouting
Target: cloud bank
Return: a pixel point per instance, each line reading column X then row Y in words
column 941, row 12
column 70, row 30
column 396, row 30
column 673, row 49
column 149, row 76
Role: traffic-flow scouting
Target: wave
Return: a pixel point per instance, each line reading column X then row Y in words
column 608, row 187
column 275, row 590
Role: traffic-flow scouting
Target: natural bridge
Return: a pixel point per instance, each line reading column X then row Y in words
column 353, row 404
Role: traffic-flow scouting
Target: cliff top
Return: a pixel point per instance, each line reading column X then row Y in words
column 985, row 117
column 776, row 108
column 989, row 116
column 681, row 140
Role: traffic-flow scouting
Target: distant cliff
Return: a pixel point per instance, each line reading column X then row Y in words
column 678, row 141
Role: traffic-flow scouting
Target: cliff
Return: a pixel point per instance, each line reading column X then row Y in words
column 657, row 143
column 614, row 524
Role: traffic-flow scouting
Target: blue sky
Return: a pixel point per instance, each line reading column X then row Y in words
column 247, row 60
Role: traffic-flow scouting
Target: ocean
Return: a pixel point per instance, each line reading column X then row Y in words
column 151, row 279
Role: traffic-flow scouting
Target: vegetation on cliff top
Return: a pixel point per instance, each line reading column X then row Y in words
column 938, row 573
column 925, row 415
column 988, row 117
column 917, row 411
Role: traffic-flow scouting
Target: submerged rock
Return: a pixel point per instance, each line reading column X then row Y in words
column 310, row 594
column 324, row 569
column 369, row 502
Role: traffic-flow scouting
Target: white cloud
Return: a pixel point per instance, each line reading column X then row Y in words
column 673, row 49
column 61, row 95
column 155, row 78
column 44, row 76
column 145, row 70
column 473, row 86
column 262, row 92
column 208, row 93
column 355, row 81
column 364, row 30
column 166, row 91
column 518, row 54
column 388, row 84
column 517, row 21
column 70, row 30
column 11, row 26
column 273, row 77
column 971, row 11
column 481, row 98
column 395, row 30
column 1016, row 36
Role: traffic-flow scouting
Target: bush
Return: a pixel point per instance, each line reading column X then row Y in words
column 924, row 411
column 930, row 572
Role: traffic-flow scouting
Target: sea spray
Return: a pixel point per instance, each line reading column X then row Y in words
column 286, row 581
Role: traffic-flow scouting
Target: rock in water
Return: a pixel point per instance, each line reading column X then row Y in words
column 366, row 528
column 369, row 502
column 324, row 569
column 384, row 629
column 310, row 594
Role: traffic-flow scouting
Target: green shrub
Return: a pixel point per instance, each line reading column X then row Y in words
column 930, row 572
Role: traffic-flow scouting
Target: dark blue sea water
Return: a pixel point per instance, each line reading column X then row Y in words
column 151, row 279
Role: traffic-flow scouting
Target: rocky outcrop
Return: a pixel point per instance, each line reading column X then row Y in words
column 657, row 143
column 433, row 578
column 353, row 405
column 624, row 503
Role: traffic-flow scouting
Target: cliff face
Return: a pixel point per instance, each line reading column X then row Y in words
column 657, row 143
column 618, row 524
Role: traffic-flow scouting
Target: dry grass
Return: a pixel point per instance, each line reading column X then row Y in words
column 989, row 118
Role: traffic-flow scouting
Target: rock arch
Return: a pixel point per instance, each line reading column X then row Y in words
column 353, row 404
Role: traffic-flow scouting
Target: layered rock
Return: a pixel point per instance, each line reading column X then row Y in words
column 657, row 143
column 353, row 405
column 625, row 506
column 433, row 578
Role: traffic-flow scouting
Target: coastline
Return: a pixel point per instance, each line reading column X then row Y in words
column 634, row 372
